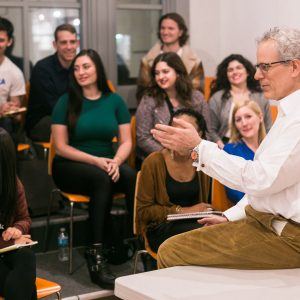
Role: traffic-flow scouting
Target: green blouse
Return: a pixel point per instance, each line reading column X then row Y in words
column 97, row 124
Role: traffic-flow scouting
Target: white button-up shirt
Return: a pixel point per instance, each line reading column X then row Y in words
column 271, row 182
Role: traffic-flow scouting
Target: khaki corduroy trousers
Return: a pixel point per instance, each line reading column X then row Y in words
column 251, row 243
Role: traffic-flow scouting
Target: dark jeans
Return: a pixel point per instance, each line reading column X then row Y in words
column 18, row 274
column 157, row 235
column 41, row 130
column 86, row 179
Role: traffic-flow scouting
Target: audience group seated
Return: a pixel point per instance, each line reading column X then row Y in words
column 70, row 99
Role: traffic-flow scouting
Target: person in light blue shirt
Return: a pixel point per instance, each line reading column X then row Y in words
column 247, row 132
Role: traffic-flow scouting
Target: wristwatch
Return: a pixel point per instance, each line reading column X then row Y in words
column 195, row 155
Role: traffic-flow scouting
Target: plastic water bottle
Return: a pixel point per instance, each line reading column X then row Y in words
column 63, row 245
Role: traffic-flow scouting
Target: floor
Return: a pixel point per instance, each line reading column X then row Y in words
column 77, row 285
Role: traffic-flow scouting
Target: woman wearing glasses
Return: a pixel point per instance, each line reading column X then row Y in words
column 234, row 84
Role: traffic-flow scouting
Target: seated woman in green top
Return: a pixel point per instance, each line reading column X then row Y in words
column 84, row 122
column 170, row 184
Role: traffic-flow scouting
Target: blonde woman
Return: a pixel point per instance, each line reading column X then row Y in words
column 247, row 132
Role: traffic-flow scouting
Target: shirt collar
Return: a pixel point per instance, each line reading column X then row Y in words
column 290, row 104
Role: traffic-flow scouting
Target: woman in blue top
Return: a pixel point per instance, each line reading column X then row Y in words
column 84, row 122
column 247, row 132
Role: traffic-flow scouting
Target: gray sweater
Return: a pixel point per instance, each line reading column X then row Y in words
column 220, row 110
column 148, row 114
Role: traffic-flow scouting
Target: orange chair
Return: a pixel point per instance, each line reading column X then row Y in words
column 220, row 200
column 207, row 83
column 136, row 232
column 23, row 147
column 46, row 288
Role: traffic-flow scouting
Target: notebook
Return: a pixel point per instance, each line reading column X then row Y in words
column 16, row 246
column 194, row 215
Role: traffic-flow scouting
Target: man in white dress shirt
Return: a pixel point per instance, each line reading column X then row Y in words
column 263, row 230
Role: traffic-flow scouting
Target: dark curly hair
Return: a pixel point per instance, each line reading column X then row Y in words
column 222, row 83
column 181, row 24
column 183, row 84
column 200, row 121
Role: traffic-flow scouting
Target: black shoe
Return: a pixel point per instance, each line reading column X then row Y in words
column 98, row 268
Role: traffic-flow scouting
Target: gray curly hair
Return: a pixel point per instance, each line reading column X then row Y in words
column 287, row 40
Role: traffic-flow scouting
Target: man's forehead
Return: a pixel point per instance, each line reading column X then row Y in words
column 65, row 35
column 267, row 50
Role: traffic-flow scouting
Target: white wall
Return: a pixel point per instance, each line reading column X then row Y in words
column 221, row 27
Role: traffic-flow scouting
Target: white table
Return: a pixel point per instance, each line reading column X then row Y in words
column 193, row 283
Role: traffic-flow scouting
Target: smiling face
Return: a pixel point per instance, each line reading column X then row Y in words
column 85, row 71
column 277, row 83
column 247, row 122
column 236, row 73
column 5, row 42
column 66, row 46
column 169, row 32
column 165, row 76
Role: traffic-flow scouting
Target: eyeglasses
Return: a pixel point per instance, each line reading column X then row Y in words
column 264, row 67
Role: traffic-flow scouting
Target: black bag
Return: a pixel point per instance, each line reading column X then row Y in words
column 119, row 249
column 38, row 185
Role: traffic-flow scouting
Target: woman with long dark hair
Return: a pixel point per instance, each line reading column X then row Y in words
column 170, row 90
column 17, row 267
column 234, row 83
column 84, row 122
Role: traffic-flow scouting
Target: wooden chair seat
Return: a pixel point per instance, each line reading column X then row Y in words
column 23, row 147
column 46, row 288
column 76, row 197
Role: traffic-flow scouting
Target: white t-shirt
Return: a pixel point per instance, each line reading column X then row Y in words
column 12, row 82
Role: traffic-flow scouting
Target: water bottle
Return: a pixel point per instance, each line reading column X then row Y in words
column 63, row 245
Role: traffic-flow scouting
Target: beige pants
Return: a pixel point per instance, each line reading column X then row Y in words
column 251, row 243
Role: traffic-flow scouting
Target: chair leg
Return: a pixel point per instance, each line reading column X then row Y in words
column 45, row 153
column 137, row 255
column 48, row 218
column 58, row 295
column 71, row 237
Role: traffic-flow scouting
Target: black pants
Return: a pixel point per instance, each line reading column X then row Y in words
column 40, row 132
column 86, row 179
column 17, row 275
column 157, row 235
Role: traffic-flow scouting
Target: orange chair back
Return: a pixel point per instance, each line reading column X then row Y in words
column 132, row 156
column 136, row 230
column 220, row 200
column 207, row 83
column 274, row 112
column 51, row 155
column 111, row 86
